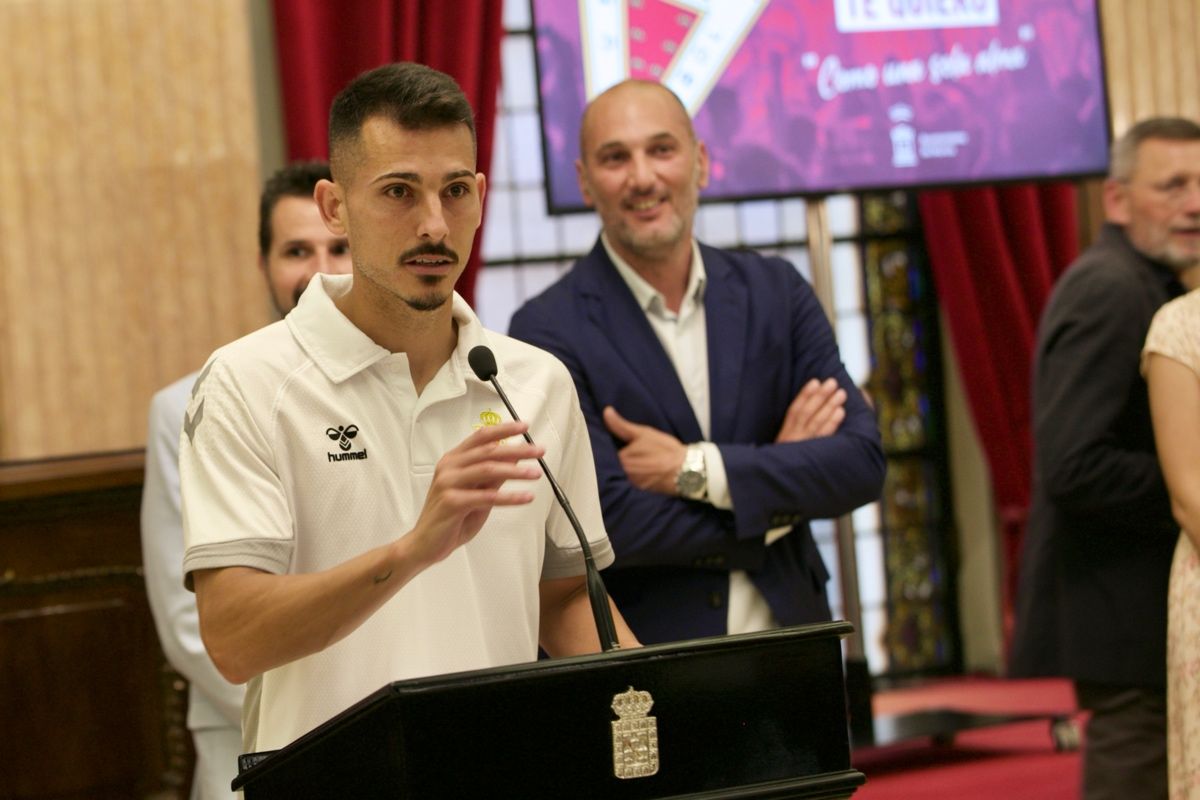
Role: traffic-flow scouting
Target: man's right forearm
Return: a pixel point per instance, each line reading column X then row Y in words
column 254, row 621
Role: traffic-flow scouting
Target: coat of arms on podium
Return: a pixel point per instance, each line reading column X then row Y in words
column 635, row 735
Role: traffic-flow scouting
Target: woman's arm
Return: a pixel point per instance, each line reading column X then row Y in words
column 1175, row 409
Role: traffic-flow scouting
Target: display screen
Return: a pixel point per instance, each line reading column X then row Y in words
column 819, row 96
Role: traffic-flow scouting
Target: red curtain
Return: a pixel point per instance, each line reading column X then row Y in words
column 995, row 254
column 322, row 45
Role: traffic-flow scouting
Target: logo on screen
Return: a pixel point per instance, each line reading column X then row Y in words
column 904, row 138
column 684, row 44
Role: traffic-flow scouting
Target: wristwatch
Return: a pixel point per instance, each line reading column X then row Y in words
column 692, row 480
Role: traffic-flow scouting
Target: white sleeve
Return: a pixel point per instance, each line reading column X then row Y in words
column 235, row 509
column 173, row 606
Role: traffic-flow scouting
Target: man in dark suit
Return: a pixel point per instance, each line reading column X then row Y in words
column 1092, row 601
column 721, row 417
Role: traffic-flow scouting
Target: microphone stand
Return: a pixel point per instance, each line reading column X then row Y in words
column 597, row 594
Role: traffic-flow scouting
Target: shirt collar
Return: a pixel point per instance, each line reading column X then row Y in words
column 341, row 350
column 648, row 298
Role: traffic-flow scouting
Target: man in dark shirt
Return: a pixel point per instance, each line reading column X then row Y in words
column 1092, row 603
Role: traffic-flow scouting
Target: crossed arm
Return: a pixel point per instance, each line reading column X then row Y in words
column 775, row 477
column 652, row 458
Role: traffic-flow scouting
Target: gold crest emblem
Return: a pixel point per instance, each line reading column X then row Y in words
column 486, row 419
column 635, row 735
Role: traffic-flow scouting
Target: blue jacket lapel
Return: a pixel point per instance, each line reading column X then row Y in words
column 612, row 308
column 725, row 311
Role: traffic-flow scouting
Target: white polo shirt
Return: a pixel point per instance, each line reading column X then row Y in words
column 305, row 444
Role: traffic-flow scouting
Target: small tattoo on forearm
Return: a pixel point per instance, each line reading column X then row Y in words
column 383, row 577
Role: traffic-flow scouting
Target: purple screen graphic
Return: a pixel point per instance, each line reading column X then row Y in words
column 818, row 96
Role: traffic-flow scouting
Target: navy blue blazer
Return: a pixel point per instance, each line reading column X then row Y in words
column 767, row 336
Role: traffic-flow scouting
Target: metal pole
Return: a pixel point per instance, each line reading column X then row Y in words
column 820, row 246
column 859, row 689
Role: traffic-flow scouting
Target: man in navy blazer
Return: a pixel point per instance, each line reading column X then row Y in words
column 721, row 417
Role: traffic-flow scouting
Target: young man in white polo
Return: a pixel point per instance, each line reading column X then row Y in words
column 358, row 509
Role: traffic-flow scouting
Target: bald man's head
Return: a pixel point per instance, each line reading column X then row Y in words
column 620, row 93
column 642, row 168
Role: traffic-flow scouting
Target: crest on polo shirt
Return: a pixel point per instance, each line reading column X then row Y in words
column 486, row 419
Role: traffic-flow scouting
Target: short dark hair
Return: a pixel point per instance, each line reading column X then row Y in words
column 411, row 95
column 1125, row 149
column 298, row 179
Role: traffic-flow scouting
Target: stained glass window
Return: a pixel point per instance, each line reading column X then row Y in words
column 920, row 634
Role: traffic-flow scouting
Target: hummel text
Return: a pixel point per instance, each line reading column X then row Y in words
column 360, row 455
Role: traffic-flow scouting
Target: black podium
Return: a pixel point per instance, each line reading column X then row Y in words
column 753, row 716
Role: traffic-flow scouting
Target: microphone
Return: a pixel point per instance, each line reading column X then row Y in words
column 483, row 363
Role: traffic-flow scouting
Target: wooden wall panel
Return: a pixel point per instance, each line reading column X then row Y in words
column 1152, row 53
column 130, row 180
column 1152, row 57
column 90, row 708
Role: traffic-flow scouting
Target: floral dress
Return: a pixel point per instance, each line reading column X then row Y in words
column 1175, row 334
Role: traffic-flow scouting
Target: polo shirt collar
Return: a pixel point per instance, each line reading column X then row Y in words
column 340, row 350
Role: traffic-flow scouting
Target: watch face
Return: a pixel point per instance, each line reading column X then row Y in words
column 690, row 484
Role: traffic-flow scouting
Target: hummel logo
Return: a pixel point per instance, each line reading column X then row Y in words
column 343, row 435
column 200, row 379
column 190, row 423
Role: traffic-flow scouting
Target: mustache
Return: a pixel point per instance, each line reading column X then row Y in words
column 439, row 249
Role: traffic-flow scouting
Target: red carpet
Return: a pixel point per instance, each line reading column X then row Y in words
column 1013, row 760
